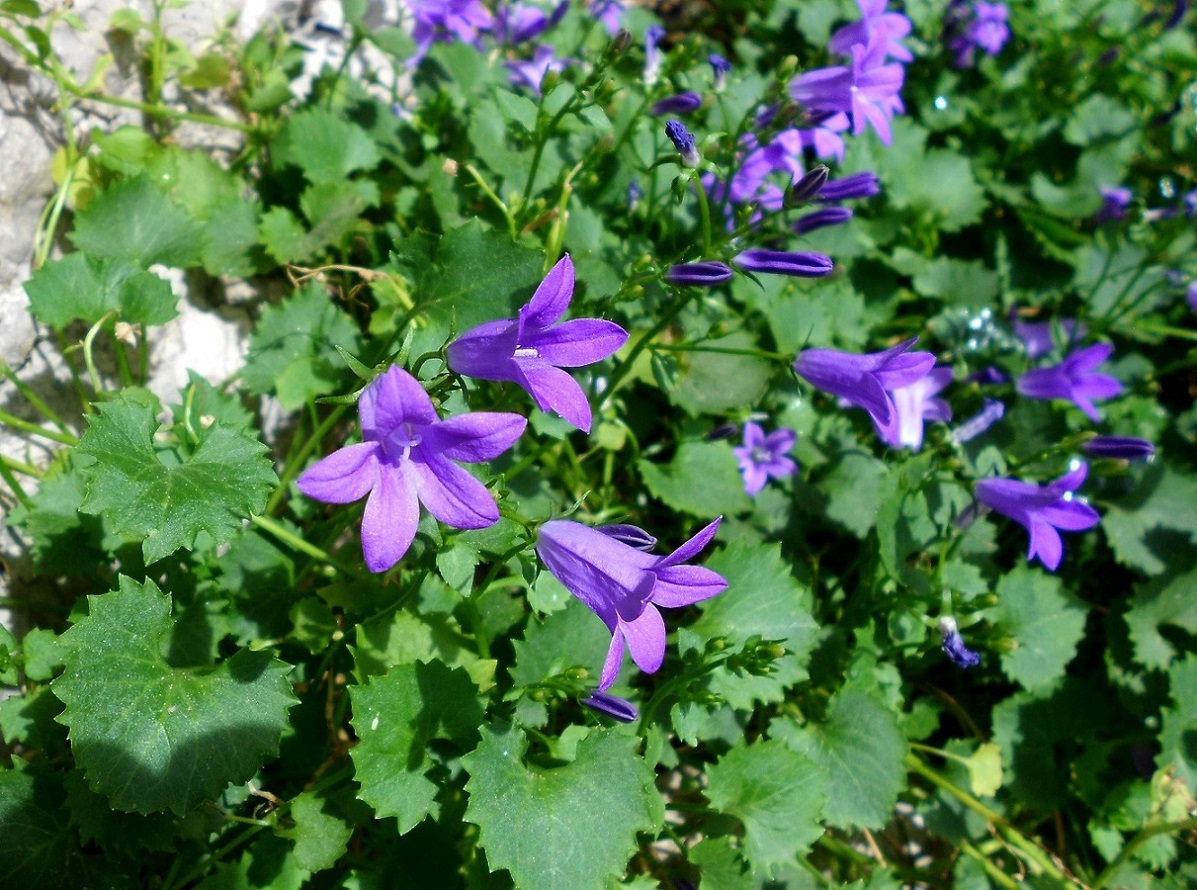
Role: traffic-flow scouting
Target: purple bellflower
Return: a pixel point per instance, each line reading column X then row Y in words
column 865, row 380
column 1036, row 336
column 991, row 412
column 1042, row 510
column 681, row 103
column 913, row 404
column 973, row 26
column 782, row 154
column 517, row 23
column 609, row 12
column 705, row 274
column 784, row 262
column 532, row 348
column 851, row 187
column 653, row 36
column 720, row 67
column 953, row 644
column 407, row 459
column 531, row 73
column 624, row 586
column 1119, row 448
column 824, row 137
column 1074, row 379
column 867, row 90
column 1114, row 203
column 887, row 27
column 762, row 457
column 1191, row 295
column 446, row 21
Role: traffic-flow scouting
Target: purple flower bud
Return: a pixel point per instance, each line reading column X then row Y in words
column 1191, row 295
column 612, row 706
column 833, row 215
column 784, row 262
column 681, row 103
column 705, row 274
column 652, row 54
column 856, row 185
column 721, row 432
column 631, row 535
column 991, row 412
column 683, row 141
column 953, row 645
column 809, row 185
column 720, row 66
column 1119, row 448
column 989, row 376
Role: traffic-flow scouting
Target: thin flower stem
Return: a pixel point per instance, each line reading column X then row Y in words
column 704, row 212
column 297, row 543
column 542, row 141
column 33, row 398
column 1137, row 841
column 295, row 462
column 726, row 350
column 991, row 869
column 1150, row 327
column 624, row 367
column 11, row 481
column 89, row 354
column 21, row 467
column 160, row 111
column 26, row 426
column 498, row 202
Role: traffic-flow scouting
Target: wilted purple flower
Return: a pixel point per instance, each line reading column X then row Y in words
column 705, row 274
column 1119, row 448
column 1037, row 335
column 612, row 706
column 1115, row 201
column 531, row 73
column 532, row 348
column 868, row 90
column 824, row 216
column 720, row 67
column 1042, row 510
column 851, row 187
column 653, row 36
column 763, row 457
column 407, row 459
column 784, row 262
column 609, row 12
column 913, row 404
column 953, row 644
column 991, row 412
column 624, row 586
column 516, row 23
column 887, row 27
column 1073, row 379
column 683, row 141
column 681, row 103
column 446, row 21
column 865, row 380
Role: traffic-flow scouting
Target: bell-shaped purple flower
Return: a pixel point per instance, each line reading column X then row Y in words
column 446, row 21
column 705, row 274
column 681, row 103
column 784, row 262
column 1037, row 336
column 762, row 457
column 720, row 67
column 624, row 586
column 953, row 644
column 609, row 12
column 653, row 36
column 868, row 90
column 531, row 73
column 991, row 412
column 1043, row 511
column 407, row 459
column 532, row 348
column 1114, row 204
column 1074, row 379
column 915, row 404
column 865, row 380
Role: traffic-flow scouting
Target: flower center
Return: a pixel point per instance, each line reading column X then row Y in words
column 760, row 455
column 526, row 352
column 405, row 438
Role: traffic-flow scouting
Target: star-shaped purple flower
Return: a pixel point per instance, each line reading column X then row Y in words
column 868, row 90
column 1074, row 379
column 624, row 585
column 888, row 27
column 447, row 20
column 865, row 380
column 407, row 459
column 532, row 348
column 913, row 404
column 530, row 73
column 763, row 457
column 1042, row 510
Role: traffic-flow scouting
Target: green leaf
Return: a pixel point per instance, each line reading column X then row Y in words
column 1045, row 623
column 320, row 836
column 985, row 770
column 64, row 541
column 778, row 794
column 36, row 846
column 762, row 600
column 1146, row 527
column 151, row 736
column 565, row 826
column 860, row 748
column 401, row 637
column 958, row 282
column 468, row 276
column 168, row 497
column 134, row 221
column 571, row 637
column 324, row 146
column 293, row 350
column 1178, row 732
column 702, row 479
column 721, row 867
column 716, row 383
column 396, row 716
column 82, row 288
column 1166, row 600
column 854, row 487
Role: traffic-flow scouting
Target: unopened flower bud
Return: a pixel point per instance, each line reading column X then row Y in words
column 683, row 141
column 704, row 274
column 807, row 187
column 611, row 706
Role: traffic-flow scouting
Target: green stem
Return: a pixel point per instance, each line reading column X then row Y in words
column 297, row 543
column 704, row 208
column 33, row 398
column 1137, row 841
column 625, row 367
column 991, row 869
column 89, row 355
column 498, row 202
column 21, row 467
column 162, row 111
column 1152, row 328
column 727, row 350
column 11, row 481
column 26, row 427
column 295, row 463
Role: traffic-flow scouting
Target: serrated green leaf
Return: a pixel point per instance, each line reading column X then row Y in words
column 220, row 482
column 567, row 826
column 1045, row 623
column 401, row 637
column 293, row 350
column 854, row 486
column 151, row 736
column 958, row 282
column 320, row 837
column 396, row 716
column 36, row 845
column 572, row 636
column 715, row 382
column 117, row 833
column 324, row 146
column 134, row 221
column 1166, row 600
column 860, row 748
column 83, row 288
column 1138, row 526
column 702, row 479
column 721, row 867
column 1179, row 724
column 62, row 537
column 777, row 794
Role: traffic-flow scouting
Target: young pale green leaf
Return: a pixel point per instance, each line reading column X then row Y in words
column 860, row 748
column 567, row 826
column 776, row 793
column 151, row 736
column 721, row 866
column 326, row 147
column 320, row 836
column 293, row 350
column 396, row 716
column 134, row 221
column 79, row 287
column 1045, row 622
column 211, row 488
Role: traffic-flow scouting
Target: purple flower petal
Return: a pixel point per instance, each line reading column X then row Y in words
column 1041, row 510
column 452, row 495
column 391, row 518
column 554, row 390
column 646, row 639
column 550, row 299
column 612, row 706
column 577, row 343
column 342, row 477
column 473, row 438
